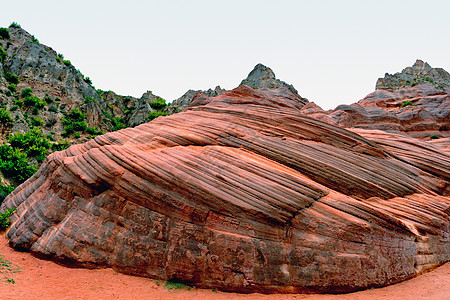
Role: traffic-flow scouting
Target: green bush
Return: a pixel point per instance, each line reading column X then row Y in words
column 12, row 87
column 34, row 40
column 36, row 122
column 158, row 104
column 154, row 114
column 5, row 117
column 58, row 59
column 434, row 137
column 33, row 101
column 94, row 131
column 14, row 25
column 67, row 62
column 406, row 103
column 11, row 78
column 24, row 141
column 4, row 33
column 14, row 107
column 8, row 93
column 3, row 54
column 14, row 164
column 5, row 190
column 50, row 123
column 76, row 115
column 26, row 92
column 4, row 218
column 53, row 108
column 76, row 135
column 60, row 145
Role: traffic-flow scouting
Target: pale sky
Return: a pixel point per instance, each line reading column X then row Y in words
column 331, row 51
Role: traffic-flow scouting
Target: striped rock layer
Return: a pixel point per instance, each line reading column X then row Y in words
column 243, row 193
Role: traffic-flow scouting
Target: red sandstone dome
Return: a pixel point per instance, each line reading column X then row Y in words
column 242, row 192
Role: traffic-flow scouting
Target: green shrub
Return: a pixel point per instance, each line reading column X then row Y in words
column 76, row 115
column 154, row 114
column 36, row 122
column 406, row 103
column 90, row 99
column 3, row 54
column 14, row 107
column 34, row 40
column 4, row 33
column 11, row 78
column 58, row 59
column 5, row 117
column 47, row 98
column 14, row 25
column 60, row 145
column 24, row 141
column 158, row 104
column 4, row 219
column 8, row 93
column 14, row 164
column 26, row 92
column 429, row 80
column 33, row 101
column 50, row 123
column 53, row 108
column 88, row 80
column 12, row 87
column 434, row 137
column 76, row 135
column 5, row 190
column 67, row 62
column 94, row 131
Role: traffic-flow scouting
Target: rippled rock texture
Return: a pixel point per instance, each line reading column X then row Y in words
column 243, row 193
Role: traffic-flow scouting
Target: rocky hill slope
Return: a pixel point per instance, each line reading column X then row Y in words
column 241, row 192
column 261, row 77
column 46, row 104
column 415, row 101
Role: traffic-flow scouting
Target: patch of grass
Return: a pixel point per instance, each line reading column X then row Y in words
column 7, row 268
column 406, row 103
column 434, row 137
column 173, row 285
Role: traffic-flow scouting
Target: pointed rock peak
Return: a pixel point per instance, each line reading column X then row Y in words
column 263, row 77
column 420, row 64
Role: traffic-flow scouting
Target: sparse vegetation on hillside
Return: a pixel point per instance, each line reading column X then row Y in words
column 4, row 224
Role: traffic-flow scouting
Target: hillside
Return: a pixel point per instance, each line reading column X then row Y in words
column 46, row 104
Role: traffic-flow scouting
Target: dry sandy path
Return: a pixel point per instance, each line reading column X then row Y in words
column 41, row 279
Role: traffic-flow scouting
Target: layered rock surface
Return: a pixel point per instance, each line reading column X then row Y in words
column 242, row 192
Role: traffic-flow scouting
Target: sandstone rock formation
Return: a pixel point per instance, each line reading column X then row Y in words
column 241, row 192
column 421, row 111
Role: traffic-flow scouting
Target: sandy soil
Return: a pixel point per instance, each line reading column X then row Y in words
column 41, row 279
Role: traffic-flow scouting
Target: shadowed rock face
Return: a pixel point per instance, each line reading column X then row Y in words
column 241, row 192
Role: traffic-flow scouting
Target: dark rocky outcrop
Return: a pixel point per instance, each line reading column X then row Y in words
column 420, row 72
column 183, row 102
column 242, row 192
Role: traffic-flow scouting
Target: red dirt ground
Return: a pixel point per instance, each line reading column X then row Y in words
column 41, row 279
